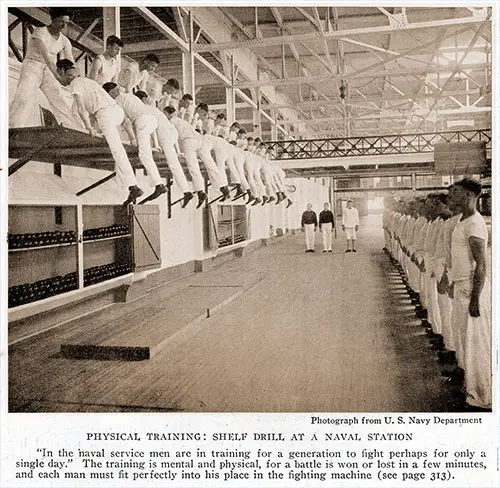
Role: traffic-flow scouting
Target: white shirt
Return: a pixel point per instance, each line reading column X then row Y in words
column 186, row 114
column 94, row 97
column 132, row 106
column 221, row 130
column 171, row 100
column 163, row 122
column 54, row 46
column 130, row 77
column 141, row 80
column 207, row 126
column 109, row 69
column 462, row 260
column 185, row 129
column 448, row 232
column 350, row 217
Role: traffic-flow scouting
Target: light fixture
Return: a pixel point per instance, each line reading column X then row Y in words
column 343, row 90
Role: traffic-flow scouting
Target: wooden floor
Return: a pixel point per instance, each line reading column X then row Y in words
column 288, row 331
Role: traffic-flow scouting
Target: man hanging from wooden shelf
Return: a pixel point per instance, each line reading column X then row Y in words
column 171, row 94
column 193, row 146
column 135, row 76
column 92, row 99
column 221, row 149
column 140, row 123
column 39, row 71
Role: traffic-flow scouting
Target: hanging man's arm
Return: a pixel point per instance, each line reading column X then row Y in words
column 95, row 68
column 84, row 115
column 477, row 247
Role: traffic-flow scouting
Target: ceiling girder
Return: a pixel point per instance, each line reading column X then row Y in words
column 379, row 74
column 315, row 36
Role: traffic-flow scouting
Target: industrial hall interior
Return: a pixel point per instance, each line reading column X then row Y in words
column 249, row 209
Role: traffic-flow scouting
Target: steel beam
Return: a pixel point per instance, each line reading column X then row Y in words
column 159, row 45
column 378, row 74
column 438, row 39
column 316, row 36
column 457, row 68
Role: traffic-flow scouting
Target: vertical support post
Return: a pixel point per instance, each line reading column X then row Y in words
column 274, row 126
column 334, row 203
column 299, row 72
column 283, row 64
column 111, row 22
column 79, row 246
column 413, row 182
column 256, row 13
column 257, row 127
column 188, row 76
column 231, row 96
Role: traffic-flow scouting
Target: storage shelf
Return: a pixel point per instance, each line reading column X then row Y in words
column 233, row 230
column 50, row 279
column 48, row 246
column 85, row 241
column 33, row 308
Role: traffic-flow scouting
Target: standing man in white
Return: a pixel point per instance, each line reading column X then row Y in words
column 350, row 225
column 309, row 225
column 106, row 66
column 39, row 71
column 91, row 99
column 326, row 225
column 471, row 294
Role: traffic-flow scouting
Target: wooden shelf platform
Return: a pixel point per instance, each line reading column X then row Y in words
column 121, row 236
column 70, row 147
column 48, row 246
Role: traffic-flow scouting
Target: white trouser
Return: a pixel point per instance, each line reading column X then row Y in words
column 204, row 154
column 309, row 231
column 279, row 179
column 350, row 233
column 387, row 239
column 144, row 126
column 257, row 175
column 326, row 230
column 414, row 277
column 167, row 137
column 109, row 120
column 190, row 147
column 25, row 108
column 223, row 158
column 445, row 305
column 473, row 342
column 423, row 289
column 250, row 171
column 434, row 316
column 394, row 248
column 239, row 162
column 268, row 178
